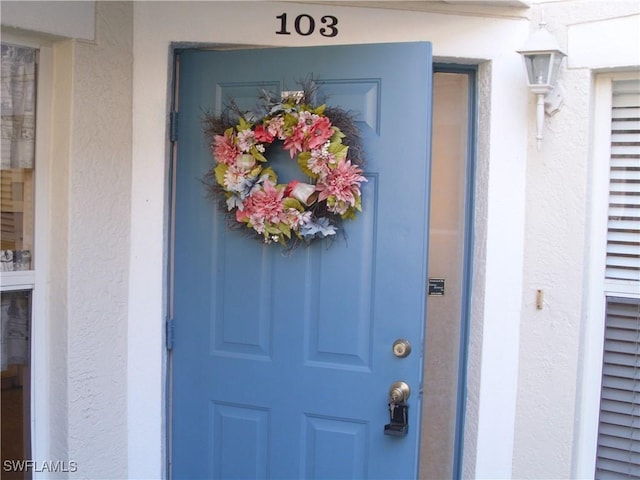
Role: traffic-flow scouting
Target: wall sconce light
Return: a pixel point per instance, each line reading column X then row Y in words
column 542, row 58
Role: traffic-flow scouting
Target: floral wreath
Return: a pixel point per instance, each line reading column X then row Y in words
column 249, row 188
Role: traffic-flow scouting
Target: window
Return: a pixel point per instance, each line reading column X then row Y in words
column 618, row 448
column 623, row 238
column 17, row 212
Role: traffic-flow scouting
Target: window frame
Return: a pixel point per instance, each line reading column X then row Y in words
column 598, row 288
column 35, row 279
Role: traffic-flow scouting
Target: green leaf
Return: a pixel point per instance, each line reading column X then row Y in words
column 243, row 125
column 271, row 229
column 257, row 155
column 290, row 121
column 337, row 135
column 220, row 171
column 293, row 203
column 272, row 175
column 256, row 171
column 284, row 229
column 338, row 149
column 303, row 160
column 349, row 214
column 320, row 110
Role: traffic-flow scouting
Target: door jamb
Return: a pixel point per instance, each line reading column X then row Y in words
column 173, row 146
column 468, row 247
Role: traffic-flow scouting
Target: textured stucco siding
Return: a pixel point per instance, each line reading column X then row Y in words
column 90, row 225
column 557, row 237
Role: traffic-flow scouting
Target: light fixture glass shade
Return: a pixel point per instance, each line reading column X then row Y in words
column 542, row 57
column 556, row 60
column 542, row 68
column 538, row 68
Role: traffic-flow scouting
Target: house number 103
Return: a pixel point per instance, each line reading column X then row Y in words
column 305, row 25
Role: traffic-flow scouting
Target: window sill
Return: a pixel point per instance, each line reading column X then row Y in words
column 20, row 280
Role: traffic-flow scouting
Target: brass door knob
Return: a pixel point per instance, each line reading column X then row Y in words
column 399, row 392
column 401, row 348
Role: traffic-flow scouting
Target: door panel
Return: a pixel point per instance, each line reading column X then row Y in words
column 282, row 362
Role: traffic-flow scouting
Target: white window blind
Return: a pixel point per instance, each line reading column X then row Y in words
column 618, row 454
column 619, row 431
column 623, row 238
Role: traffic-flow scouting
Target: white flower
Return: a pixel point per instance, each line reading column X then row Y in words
column 235, row 180
column 246, row 139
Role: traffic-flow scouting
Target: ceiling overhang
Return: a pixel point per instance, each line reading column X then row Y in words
column 499, row 8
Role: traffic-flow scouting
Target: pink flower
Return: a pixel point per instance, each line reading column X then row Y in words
column 224, row 149
column 264, row 205
column 275, row 127
column 295, row 219
column 319, row 132
column 295, row 142
column 242, row 215
column 321, row 160
column 263, row 135
column 341, row 187
column 311, row 132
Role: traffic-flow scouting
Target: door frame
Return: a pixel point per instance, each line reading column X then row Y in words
column 500, row 200
column 468, row 247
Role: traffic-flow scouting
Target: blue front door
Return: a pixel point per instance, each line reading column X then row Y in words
column 282, row 363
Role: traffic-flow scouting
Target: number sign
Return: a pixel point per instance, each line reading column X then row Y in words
column 305, row 25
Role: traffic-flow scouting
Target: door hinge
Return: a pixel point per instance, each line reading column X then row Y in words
column 173, row 126
column 170, row 334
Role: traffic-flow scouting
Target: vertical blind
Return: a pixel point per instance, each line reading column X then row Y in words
column 618, row 454
column 623, row 239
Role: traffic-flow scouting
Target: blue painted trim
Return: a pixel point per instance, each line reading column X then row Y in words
column 170, row 333
column 170, row 324
column 467, row 274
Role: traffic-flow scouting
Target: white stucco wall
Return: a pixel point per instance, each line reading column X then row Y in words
column 550, row 428
column 72, row 19
column 98, row 244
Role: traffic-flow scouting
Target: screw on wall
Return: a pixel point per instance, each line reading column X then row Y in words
column 539, row 299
